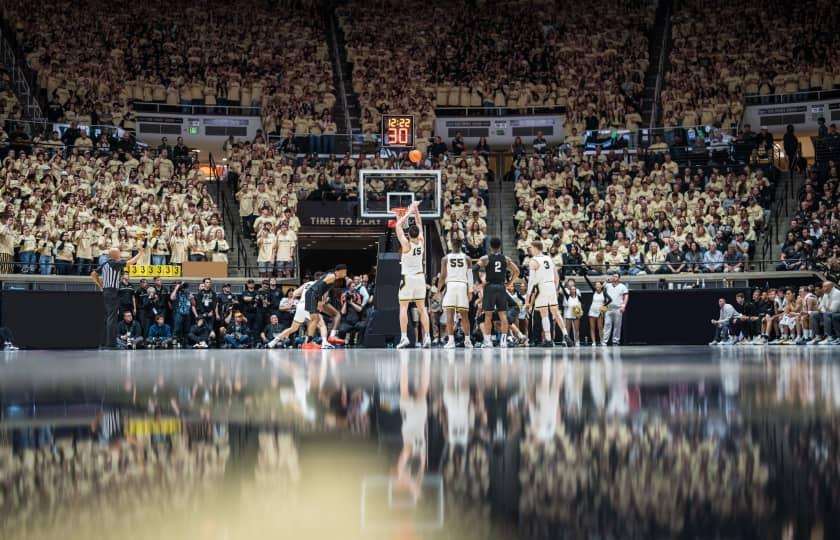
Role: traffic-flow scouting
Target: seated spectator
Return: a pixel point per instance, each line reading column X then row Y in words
column 129, row 333
column 200, row 335
column 160, row 334
column 270, row 335
column 724, row 324
column 733, row 261
column 826, row 321
column 792, row 257
column 712, row 260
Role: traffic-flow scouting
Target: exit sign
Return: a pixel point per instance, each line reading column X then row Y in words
column 193, row 130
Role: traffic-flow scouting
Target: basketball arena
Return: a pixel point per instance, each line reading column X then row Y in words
column 398, row 270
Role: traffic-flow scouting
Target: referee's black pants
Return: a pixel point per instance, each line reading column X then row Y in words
column 111, row 300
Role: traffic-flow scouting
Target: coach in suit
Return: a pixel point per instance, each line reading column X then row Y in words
column 107, row 277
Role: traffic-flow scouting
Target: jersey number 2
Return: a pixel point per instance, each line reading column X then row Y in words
column 498, row 266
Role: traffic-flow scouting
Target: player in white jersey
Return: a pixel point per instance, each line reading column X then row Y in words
column 413, row 281
column 456, row 277
column 414, row 411
column 543, row 282
column 301, row 315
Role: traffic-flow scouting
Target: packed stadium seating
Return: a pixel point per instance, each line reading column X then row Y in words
column 615, row 216
column 492, row 56
column 61, row 214
column 268, row 54
column 724, row 51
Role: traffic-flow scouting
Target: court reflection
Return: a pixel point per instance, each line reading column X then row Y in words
column 468, row 444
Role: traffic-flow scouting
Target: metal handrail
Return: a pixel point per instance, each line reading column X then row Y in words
column 792, row 97
column 450, row 111
column 195, row 110
column 654, row 113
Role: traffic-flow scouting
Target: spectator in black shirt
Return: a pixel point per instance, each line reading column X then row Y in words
column 749, row 323
column 181, row 153
column 71, row 134
column 675, row 259
column 793, row 257
column 765, row 138
column 540, row 145
column 270, row 333
column 482, row 147
column 248, row 301
column 164, row 145
column 129, row 333
column 437, row 148
column 822, row 131
column 458, row 145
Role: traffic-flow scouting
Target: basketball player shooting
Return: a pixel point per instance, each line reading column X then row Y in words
column 543, row 281
column 413, row 281
column 455, row 277
column 493, row 269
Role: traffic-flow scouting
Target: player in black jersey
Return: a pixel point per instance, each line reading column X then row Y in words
column 493, row 269
column 313, row 297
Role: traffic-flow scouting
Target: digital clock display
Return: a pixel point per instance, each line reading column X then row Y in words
column 398, row 130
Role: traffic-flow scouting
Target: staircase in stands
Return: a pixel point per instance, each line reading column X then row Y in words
column 659, row 50
column 348, row 111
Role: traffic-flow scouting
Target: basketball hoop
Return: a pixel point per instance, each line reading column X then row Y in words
column 400, row 212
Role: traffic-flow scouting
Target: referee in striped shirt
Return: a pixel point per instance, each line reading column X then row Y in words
column 107, row 277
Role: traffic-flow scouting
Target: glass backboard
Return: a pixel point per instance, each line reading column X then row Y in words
column 380, row 190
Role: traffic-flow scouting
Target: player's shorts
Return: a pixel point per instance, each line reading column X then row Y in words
column 413, row 287
column 456, row 296
column 495, row 298
column 311, row 301
column 788, row 320
column 546, row 295
column 301, row 315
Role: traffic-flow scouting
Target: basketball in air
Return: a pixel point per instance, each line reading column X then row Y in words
column 415, row 156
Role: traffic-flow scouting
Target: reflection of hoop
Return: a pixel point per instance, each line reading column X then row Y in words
column 400, row 212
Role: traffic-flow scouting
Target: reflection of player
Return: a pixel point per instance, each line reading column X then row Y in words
column 494, row 268
column 456, row 401
column 414, row 411
column 544, row 409
column 413, row 281
column 312, row 299
column 543, row 281
column 455, row 276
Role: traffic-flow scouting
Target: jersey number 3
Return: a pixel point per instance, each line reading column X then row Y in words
column 545, row 263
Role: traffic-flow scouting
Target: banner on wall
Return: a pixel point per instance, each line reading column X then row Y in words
column 334, row 214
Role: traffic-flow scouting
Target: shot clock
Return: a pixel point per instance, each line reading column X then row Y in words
column 398, row 131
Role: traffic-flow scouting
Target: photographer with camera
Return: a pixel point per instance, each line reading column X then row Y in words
column 236, row 331
column 201, row 334
column 129, row 333
column 160, row 333
column 352, row 326
column 182, row 306
column 206, row 305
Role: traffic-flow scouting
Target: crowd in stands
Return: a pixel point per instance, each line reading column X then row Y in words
column 269, row 55
column 10, row 108
column 483, row 56
column 812, row 241
column 62, row 209
column 611, row 212
column 723, row 52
